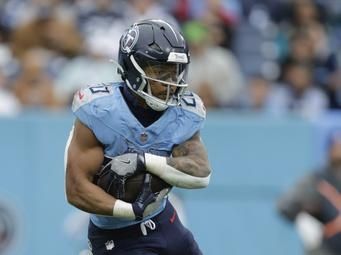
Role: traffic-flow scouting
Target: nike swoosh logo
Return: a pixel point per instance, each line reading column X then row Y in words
column 126, row 161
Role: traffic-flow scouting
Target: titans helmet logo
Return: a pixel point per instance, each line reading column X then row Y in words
column 129, row 39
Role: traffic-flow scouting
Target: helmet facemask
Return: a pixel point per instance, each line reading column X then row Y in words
column 163, row 84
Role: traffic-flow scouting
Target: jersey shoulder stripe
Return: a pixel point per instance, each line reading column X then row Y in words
column 192, row 102
column 88, row 94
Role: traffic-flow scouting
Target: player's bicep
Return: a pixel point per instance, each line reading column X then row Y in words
column 84, row 154
column 191, row 157
column 191, row 147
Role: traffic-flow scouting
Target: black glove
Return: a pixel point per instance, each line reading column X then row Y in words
column 115, row 171
column 145, row 197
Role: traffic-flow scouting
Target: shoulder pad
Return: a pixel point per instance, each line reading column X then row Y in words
column 193, row 103
column 90, row 93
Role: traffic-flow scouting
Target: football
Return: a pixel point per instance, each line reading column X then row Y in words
column 132, row 186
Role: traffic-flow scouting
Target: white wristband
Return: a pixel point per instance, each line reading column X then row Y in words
column 158, row 165
column 123, row 210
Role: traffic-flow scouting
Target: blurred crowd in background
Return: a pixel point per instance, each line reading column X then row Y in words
column 266, row 56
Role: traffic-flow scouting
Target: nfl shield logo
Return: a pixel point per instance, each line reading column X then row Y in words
column 143, row 137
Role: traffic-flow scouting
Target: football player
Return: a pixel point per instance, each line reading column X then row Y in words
column 149, row 123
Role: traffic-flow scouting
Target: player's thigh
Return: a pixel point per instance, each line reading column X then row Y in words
column 180, row 240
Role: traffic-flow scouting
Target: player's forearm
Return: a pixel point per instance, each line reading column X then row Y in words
column 191, row 157
column 89, row 198
column 190, row 165
column 190, row 175
column 92, row 199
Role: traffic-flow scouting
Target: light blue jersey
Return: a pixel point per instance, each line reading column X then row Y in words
column 103, row 109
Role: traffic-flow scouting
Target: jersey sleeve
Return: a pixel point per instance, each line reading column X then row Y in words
column 191, row 118
column 84, row 103
column 195, row 112
column 192, row 103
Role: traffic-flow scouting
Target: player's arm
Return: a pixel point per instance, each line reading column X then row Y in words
column 188, row 168
column 302, row 197
column 84, row 158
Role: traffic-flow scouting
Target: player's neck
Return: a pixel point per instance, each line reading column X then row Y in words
column 139, row 108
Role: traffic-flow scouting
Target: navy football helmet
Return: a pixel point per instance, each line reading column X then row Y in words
column 154, row 45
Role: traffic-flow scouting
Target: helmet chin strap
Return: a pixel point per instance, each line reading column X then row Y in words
column 153, row 104
column 156, row 106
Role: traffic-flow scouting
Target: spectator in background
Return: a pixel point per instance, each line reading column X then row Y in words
column 312, row 17
column 228, row 11
column 215, row 73
column 314, row 203
column 334, row 91
column 256, row 94
column 325, row 60
column 91, row 67
column 308, row 40
column 301, row 48
column 104, row 21
column 33, row 86
column 298, row 94
column 100, row 24
column 50, row 32
column 310, row 46
column 147, row 9
column 306, row 13
column 16, row 13
column 6, row 58
column 9, row 105
column 221, row 15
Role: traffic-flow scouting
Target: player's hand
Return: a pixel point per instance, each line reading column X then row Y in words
column 145, row 197
column 128, row 164
column 151, row 208
column 116, row 170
